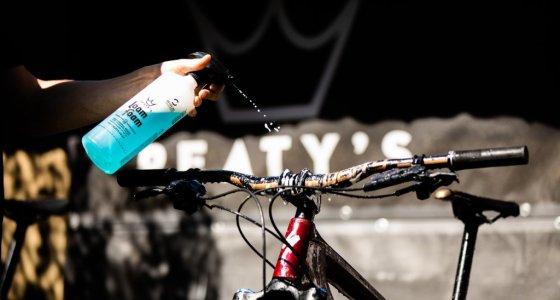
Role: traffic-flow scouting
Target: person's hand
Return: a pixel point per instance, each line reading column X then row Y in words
column 184, row 66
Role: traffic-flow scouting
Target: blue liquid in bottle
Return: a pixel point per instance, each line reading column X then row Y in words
column 140, row 121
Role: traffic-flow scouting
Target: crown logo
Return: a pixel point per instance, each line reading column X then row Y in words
column 274, row 24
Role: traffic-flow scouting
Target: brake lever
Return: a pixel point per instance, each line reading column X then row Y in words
column 186, row 195
column 427, row 182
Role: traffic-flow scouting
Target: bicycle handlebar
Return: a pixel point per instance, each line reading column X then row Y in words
column 453, row 160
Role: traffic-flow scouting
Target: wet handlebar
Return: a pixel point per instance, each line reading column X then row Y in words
column 453, row 160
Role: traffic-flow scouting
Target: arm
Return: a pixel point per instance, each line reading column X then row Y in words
column 38, row 107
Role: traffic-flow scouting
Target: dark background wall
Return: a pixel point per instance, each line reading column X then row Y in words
column 394, row 60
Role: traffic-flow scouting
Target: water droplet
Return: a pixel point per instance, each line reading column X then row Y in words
column 271, row 124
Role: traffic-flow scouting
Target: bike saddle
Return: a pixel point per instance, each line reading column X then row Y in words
column 32, row 211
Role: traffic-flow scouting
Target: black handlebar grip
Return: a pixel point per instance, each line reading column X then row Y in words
column 492, row 157
column 156, row 177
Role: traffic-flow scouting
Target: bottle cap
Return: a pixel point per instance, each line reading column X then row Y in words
column 215, row 71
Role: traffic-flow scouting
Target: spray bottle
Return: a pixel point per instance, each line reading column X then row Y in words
column 147, row 115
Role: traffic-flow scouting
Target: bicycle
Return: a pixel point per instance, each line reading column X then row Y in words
column 307, row 266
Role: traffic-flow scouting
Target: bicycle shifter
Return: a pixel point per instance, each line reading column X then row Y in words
column 186, row 195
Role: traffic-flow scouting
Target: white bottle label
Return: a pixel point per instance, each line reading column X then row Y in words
column 168, row 93
column 140, row 121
